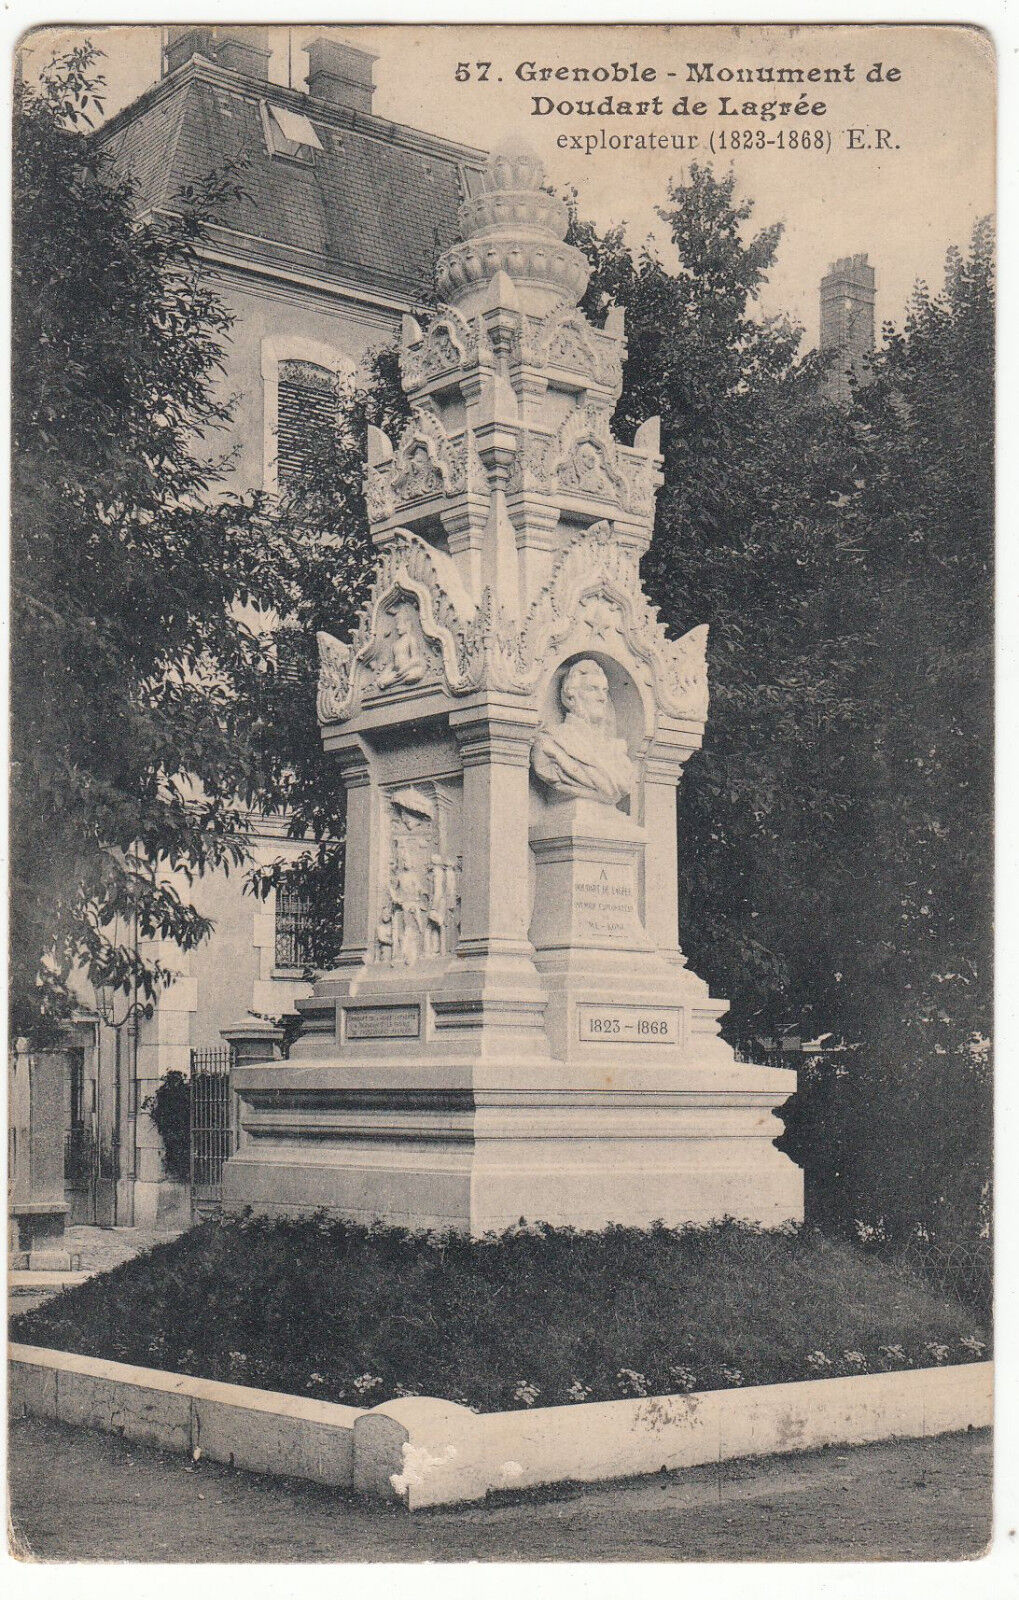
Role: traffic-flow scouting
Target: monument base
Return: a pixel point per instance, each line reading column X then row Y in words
column 495, row 1143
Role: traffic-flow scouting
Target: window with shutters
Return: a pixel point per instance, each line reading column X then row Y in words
column 307, row 405
column 295, row 928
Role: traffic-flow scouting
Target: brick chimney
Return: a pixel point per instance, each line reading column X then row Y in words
column 341, row 74
column 847, row 322
column 184, row 42
column 244, row 50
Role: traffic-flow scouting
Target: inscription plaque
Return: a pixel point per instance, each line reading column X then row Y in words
column 383, row 1022
column 629, row 1024
column 605, row 899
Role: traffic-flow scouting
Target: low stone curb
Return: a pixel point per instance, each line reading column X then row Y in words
column 251, row 1428
column 25, row 1278
column 432, row 1452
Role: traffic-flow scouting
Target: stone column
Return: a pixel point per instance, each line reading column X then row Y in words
column 663, row 769
column 495, row 992
column 361, row 849
column 36, row 1099
column 661, row 884
column 253, row 1039
column 495, row 745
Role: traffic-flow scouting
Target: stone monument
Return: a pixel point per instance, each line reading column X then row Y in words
column 512, row 1029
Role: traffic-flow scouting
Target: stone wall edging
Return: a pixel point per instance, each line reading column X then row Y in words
column 255, row 1429
column 427, row 1452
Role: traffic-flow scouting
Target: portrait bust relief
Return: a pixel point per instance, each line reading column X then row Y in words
column 581, row 757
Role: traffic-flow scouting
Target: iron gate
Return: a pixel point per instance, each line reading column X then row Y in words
column 213, row 1126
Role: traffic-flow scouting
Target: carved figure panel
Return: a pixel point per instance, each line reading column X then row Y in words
column 582, row 459
column 378, row 491
column 589, row 470
column 427, row 461
column 416, row 613
column 401, row 656
column 420, row 914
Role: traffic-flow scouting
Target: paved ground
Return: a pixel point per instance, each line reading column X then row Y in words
column 103, row 1248
column 923, row 1499
column 100, row 1249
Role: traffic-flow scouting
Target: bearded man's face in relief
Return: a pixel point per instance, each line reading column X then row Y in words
column 585, row 692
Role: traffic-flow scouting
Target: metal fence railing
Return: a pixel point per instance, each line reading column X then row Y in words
column 213, row 1133
column 960, row 1269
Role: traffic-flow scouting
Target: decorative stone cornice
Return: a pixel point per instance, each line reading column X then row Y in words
column 593, row 600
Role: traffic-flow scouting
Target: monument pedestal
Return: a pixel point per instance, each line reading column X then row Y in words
column 512, row 1030
column 477, row 1147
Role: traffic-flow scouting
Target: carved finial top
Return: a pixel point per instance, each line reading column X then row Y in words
column 513, row 164
column 512, row 201
column 514, row 231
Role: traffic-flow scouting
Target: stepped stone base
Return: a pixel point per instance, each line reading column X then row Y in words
column 496, row 1143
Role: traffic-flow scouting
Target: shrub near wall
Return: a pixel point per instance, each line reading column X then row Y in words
column 170, row 1110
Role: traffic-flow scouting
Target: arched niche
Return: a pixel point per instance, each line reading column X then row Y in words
column 628, row 706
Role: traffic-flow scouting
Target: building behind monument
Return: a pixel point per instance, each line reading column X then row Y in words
column 331, row 238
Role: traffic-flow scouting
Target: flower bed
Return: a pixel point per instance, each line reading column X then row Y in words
column 538, row 1317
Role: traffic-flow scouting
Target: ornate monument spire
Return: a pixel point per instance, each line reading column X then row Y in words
column 511, row 722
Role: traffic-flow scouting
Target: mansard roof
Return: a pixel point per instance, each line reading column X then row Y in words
column 374, row 208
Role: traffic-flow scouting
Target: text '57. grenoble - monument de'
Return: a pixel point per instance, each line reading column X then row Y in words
column 512, row 1030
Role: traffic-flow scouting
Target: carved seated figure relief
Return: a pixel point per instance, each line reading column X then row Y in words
column 402, row 659
column 581, row 757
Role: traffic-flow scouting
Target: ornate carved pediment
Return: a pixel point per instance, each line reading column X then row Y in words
column 595, row 593
column 427, row 463
column 640, row 478
column 685, row 664
column 581, row 461
column 451, row 343
column 565, row 340
column 409, row 631
column 419, row 626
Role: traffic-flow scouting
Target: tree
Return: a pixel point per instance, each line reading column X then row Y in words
column 749, row 538
column 133, row 756
column 912, row 1129
column 835, row 826
column 923, row 509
